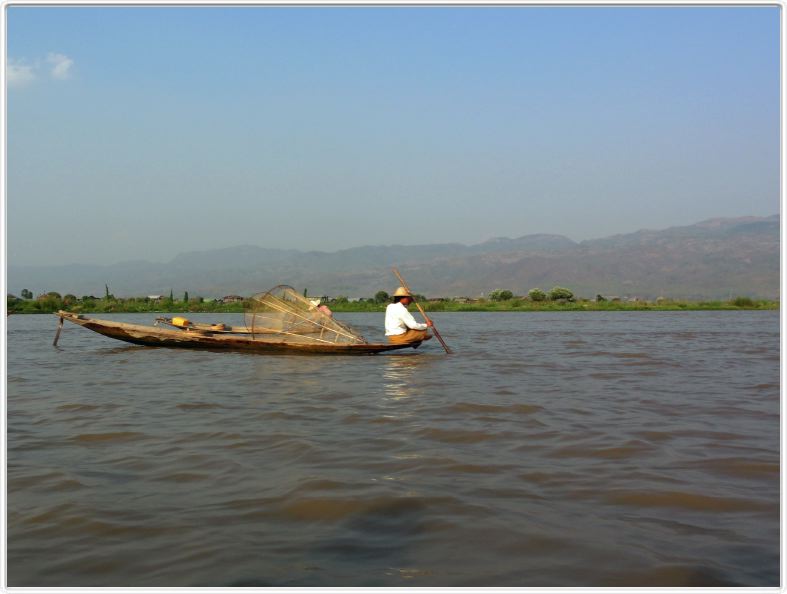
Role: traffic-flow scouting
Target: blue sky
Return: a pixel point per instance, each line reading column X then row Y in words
column 143, row 132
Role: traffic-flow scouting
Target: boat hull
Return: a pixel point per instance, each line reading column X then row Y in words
column 175, row 338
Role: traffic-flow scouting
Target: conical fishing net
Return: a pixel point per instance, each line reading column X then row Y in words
column 284, row 315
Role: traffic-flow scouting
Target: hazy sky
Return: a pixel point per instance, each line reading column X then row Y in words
column 140, row 133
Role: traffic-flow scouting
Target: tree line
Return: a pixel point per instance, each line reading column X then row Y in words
column 555, row 294
column 53, row 301
column 495, row 300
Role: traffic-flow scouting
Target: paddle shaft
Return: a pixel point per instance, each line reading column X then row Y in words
column 57, row 334
column 423, row 313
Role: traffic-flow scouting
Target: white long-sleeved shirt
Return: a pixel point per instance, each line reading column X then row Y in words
column 398, row 320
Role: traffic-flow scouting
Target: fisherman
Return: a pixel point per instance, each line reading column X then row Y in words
column 321, row 307
column 400, row 325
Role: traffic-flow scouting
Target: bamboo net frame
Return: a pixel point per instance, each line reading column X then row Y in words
column 284, row 315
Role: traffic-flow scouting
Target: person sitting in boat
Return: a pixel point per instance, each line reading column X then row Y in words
column 321, row 307
column 400, row 325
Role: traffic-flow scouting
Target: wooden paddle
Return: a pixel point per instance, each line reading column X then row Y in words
column 57, row 334
column 423, row 313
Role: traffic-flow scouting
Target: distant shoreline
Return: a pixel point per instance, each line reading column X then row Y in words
column 580, row 305
column 100, row 306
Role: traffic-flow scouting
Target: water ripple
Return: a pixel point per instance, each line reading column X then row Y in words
column 590, row 449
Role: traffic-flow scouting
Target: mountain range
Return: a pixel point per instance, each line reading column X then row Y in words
column 714, row 259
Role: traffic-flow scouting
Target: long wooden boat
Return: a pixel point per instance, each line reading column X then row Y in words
column 202, row 338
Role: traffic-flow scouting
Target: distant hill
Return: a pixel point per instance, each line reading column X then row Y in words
column 714, row 259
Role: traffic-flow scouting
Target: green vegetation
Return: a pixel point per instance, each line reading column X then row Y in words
column 743, row 302
column 558, row 293
column 561, row 304
column 52, row 302
column 501, row 295
column 537, row 295
column 587, row 305
column 558, row 299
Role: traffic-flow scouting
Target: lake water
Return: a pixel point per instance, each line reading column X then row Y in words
column 553, row 449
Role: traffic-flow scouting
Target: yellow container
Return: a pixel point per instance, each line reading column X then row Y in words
column 180, row 322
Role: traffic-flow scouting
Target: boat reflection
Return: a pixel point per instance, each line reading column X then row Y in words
column 399, row 373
